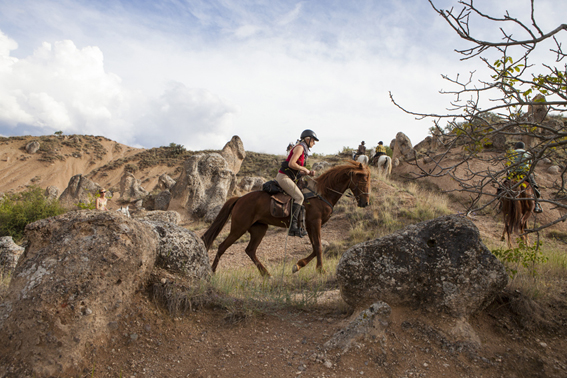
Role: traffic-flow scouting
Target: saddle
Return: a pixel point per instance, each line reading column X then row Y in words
column 280, row 203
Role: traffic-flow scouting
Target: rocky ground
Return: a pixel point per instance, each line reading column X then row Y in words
column 212, row 342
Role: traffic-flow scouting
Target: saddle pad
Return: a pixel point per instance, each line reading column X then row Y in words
column 280, row 205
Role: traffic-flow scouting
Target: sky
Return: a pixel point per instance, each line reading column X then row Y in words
column 148, row 73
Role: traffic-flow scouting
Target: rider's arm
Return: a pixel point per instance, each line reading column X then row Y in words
column 297, row 151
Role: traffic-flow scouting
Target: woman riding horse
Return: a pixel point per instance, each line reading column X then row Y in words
column 290, row 174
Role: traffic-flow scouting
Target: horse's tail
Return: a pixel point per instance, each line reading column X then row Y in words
column 389, row 165
column 216, row 227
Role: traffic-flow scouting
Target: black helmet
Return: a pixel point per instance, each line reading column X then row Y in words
column 309, row 133
column 519, row 146
column 362, row 142
column 380, row 142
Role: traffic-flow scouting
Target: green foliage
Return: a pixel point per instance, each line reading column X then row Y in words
column 91, row 204
column 58, row 133
column 176, row 149
column 523, row 255
column 19, row 209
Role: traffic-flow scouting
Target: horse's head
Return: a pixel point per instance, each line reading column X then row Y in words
column 360, row 185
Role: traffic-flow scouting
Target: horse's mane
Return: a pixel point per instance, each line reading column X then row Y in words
column 332, row 175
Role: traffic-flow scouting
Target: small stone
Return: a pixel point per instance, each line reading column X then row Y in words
column 544, row 345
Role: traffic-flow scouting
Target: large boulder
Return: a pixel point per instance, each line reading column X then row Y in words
column 165, row 182
column 158, row 201
column 80, row 189
column 233, row 152
column 130, row 187
column 250, row 184
column 204, row 184
column 10, row 253
column 77, row 274
column 181, row 251
column 439, row 265
column 538, row 111
column 159, row 216
column 51, row 192
column 32, row 147
column 403, row 150
column 429, row 144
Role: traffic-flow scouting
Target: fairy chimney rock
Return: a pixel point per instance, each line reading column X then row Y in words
column 131, row 188
column 537, row 112
column 234, row 153
column 402, row 147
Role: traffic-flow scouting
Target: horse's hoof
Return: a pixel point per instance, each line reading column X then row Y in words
column 295, row 269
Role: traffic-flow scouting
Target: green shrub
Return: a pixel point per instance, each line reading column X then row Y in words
column 19, row 209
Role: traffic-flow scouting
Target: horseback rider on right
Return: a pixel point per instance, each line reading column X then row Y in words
column 380, row 150
column 520, row 161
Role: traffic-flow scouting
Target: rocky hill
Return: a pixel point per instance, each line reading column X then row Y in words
column 521, row 334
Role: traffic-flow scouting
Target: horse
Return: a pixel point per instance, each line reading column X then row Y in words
column 384, row 165
column 363, row 159
column 251, row 213
column 518, row 204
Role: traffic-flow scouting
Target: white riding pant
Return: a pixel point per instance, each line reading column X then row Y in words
column 290, row 188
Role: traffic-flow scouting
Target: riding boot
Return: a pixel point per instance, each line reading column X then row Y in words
column 294, row 229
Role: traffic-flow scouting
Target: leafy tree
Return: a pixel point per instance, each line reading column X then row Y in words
column 503, row 104
column 19, row 209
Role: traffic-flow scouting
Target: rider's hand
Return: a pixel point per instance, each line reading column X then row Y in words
column 311, row 173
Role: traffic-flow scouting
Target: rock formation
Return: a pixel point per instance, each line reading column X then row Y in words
column 51, row 192
column 439, row 265
column 32, row 147
column 130, row 187
column 234, row 153
column 402, row 148
column 77, row 276
column 165, row 182
column 181, row 251
column 538, row 112
column 158, row 201
column 204, row 185
column 159, row 216
column 249, row 184
column 10, row 253
column 80, row 189
column 321, row 166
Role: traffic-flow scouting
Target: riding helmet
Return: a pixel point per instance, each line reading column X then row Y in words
column 519, row 146
column 309, row 133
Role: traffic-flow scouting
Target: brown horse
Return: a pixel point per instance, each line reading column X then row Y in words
column 251, row 213
column 518, row 205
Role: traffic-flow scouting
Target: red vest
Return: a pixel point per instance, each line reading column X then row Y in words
column 300, row 161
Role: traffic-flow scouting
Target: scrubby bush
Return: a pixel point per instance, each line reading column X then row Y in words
column 19, row 209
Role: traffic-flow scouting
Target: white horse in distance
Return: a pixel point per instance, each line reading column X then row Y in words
column 362, row 159
column 384, row 164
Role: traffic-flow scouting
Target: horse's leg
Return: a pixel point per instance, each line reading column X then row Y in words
column 235, row 234
column 314, row 230
column 257, row 232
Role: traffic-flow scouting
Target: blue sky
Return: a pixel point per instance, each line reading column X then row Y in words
column 148, row 73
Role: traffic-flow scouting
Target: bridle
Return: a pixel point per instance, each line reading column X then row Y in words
column 356, row 185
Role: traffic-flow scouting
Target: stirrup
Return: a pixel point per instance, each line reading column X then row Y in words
column 538, row 208
column 299, row 232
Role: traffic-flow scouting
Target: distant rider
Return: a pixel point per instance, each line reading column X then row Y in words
column 290, row 173
column 361, row 151
column 519, row 160
column 380, row 150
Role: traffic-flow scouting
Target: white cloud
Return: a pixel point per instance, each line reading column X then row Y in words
column 198, row 72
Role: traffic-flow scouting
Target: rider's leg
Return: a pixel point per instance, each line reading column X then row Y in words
column 537, row 193
column 290, row 188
